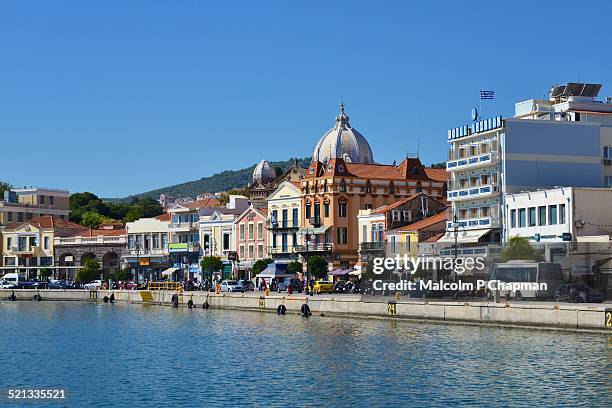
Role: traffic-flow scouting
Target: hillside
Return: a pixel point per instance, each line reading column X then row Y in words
column 225, row 180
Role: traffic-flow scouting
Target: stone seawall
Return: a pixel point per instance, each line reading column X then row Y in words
column 547, row 315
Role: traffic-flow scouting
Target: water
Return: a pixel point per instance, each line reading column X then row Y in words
column 150, row 356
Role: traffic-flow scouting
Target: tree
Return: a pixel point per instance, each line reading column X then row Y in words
column 295, row 267
column 4, row 186
column 45, row 273
column 123, row 275
column 260, row 265
column 519, row 248
column 89, row 272
column 440, row 165
column 211, row 263
column 91, row 219
column 143, row 208
column 317, row 266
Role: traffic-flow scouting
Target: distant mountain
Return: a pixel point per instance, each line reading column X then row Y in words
column 223, row 181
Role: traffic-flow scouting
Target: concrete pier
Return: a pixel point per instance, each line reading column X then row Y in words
column 542, row 315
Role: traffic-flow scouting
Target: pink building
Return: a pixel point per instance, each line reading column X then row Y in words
column 251, row 239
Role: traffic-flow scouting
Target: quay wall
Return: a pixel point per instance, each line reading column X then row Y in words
column 547, row 315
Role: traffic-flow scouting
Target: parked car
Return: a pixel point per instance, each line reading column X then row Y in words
column 247, row 285
column 127, row 285
column 58, row 284
column 284, row 285
column 231, row 286
column 7, row 285
column 577, row 293
column 340, row 286
column 32, row 284
column 93, row 285
column 323, row 287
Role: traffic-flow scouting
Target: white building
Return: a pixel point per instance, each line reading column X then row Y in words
column 284, row 221
column 566, row 140
column 147, row 246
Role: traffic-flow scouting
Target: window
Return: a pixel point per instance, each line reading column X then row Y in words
column 522, row 217
column 260, row 230
column 607, row 152
column 308, row 211
column 473, row 150
column 226, row 241
column 41, row 199
column 19, row 217
column 367, row 206
column 552, row 215
column 251, row 254
column 391, row 188
column 343, row 186
column 326, row 209
column 285, row 217
column 512, row 218
column 342, row 235
column 342, row 209
column 242, row 252
column 381, row 231
column 33, row 242
column 364, row 233
column 273, row 240
column 485, row 211
column 260, row 254
column 317, row 210
column 561, row 213
column 165, row 241
column 9, row 241
column 155, row 241
column 241, row 229
column 368, row 187
column 395, row 215
column 607, row 182
column 407, row 215
column 9, row 216
column 295, row 217
column 274, row 217
column 50, row 200
column 532, row 216
column 542, row 215
column 374, row 235
column 251, row 230
column 393, row 243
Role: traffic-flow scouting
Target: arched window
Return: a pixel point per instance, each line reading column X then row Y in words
column 381, row 228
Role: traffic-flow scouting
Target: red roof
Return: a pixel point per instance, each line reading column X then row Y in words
column 163, row 217
column 434, row 238
column 425, row 222
column 90, row 233
column 205, row 202
column 385, row 208
column 436, row 174
column 48, row 221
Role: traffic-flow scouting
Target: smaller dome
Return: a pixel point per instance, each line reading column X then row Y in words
column 264, row 172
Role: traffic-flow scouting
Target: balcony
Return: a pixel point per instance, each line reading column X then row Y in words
column 282, row 251
column 467, row 191
column 183, row 226
column 288, row 223
column 372, row 246
column 455, row 162
column 314, row 248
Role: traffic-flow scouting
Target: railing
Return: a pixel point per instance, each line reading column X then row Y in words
column 165, row 286
column 288, row 249
column 94, row 240
column 472, row 191
column 147, row 252
column 372, row 246
column 320, row 247
column 471, row 161
column 282, row 223
column 183, row 225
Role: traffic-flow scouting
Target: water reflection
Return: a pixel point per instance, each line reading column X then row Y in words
column 132, row 355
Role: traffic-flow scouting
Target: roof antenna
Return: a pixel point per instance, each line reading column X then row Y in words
column 418, row 145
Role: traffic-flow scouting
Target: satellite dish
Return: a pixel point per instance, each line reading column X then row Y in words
column 474, row 114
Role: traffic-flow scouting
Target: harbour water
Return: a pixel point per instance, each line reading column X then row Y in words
column 148, row 356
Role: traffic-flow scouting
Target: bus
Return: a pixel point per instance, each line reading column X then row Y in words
column 518, row 272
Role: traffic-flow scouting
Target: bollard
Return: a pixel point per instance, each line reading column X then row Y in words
column 397, row 296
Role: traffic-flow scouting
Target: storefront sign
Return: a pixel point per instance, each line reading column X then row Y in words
column 477, row 127
column 144, row 261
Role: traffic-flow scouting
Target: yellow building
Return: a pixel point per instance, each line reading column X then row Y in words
column 28, row 246
column 284, row 221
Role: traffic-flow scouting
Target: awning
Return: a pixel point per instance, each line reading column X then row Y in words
column 169, row 271
column 275, row 271
column 337, row 272
column 313, row 231
column 356, row 270
column 464, row 236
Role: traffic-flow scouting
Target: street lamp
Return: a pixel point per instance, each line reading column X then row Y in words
column 137, row 247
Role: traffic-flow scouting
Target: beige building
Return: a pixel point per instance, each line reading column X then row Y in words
column 284, row 221
column 23, row 204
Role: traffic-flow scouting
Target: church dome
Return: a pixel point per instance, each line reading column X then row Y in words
column 343, row 141
column 264, row 172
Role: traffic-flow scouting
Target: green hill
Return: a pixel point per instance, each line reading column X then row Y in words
column 223, row 181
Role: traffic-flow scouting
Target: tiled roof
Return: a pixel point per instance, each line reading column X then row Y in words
column 436, row 174
column 163, row 217
column 388, row 207
column 425, row 222
column 205, row 202
column 434, row 238
column 46, row 222
column 90, row 233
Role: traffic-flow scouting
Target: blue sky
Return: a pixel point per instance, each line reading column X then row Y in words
column 120, row 97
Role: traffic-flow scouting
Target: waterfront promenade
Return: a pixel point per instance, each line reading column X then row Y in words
column 541, row 315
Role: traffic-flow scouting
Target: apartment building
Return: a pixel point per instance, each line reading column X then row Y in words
column 23, row 204
column 284, row 221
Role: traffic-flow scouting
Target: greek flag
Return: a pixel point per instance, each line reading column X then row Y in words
column 487, row 95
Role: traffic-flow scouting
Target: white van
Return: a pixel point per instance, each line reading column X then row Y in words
column 517, row 272
column 13, row 277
